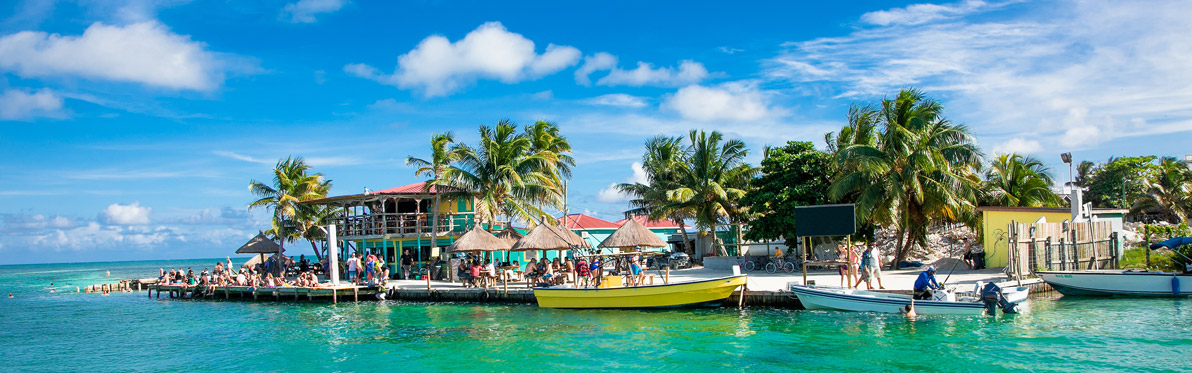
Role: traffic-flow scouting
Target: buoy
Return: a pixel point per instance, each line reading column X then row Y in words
column 1175, row 285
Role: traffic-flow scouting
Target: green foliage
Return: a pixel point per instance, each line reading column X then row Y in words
column 794, row 175
column 1168, row 192
column 510, row 173
column 292, row 185
column 1120, row 182
column 1017, row 181
column 1136, row 258
column 921, row 168
column 1156, row 233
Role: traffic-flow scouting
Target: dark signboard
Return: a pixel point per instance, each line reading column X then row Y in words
column 825, row 220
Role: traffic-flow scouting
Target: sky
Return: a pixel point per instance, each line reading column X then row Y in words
column 130, row 130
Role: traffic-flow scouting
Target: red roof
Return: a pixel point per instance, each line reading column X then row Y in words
column 581, row 221
column 644, row 221
column 415, row 188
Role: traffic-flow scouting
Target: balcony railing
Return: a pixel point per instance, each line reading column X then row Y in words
column 398, row 225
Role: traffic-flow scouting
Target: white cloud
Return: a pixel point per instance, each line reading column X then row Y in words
column 304, row 11
column 597, row 62
column 617, row 99
column 146, row 52
column 727, row 102
column 438, row 67
column 1072, row 75
column 610, row 194
column 241, row 157
column 689, row 72
column 20, row 105
column 915, row 14
column 1018, row 145
column 117, row 214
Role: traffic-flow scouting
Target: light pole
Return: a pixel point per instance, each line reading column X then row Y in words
column 1067, row 158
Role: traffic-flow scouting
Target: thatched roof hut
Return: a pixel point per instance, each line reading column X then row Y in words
column 509, row 235
column 259, row 245
column 478, row 240
column 549, row 237
column 632, row 234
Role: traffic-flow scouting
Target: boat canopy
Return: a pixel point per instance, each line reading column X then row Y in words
column 1172, row 243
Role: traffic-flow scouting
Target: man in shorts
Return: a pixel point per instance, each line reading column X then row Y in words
column 873, row 270
column 353, row 266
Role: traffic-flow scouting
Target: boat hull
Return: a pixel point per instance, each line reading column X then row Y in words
column 862, row 301
column 711, row 292
column 1109, row 283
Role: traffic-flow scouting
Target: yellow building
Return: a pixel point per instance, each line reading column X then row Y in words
column 996, row 219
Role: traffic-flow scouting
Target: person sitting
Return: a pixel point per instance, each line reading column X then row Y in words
column 531, row 272
column 241, row 279
column 475, row 272
column 547, row 270
column 926, row 282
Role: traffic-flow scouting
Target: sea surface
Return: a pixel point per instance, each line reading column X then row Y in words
column 66, row 331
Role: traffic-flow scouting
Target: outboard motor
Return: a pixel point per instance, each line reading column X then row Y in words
column 992, row 297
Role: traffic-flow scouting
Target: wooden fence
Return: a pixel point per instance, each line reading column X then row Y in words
column 1062, row 247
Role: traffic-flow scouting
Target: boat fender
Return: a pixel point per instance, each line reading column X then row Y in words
column 1175, row 285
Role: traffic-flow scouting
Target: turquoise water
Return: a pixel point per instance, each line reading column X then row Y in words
column 42, row 331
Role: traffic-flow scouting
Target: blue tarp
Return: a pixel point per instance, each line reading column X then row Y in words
column 1172, row 243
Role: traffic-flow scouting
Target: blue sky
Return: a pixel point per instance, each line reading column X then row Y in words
column 130, row 129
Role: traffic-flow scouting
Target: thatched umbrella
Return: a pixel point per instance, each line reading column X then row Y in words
column 478, row 240
column 509, row 235
column 632, row 234
column 260, row 245
column 548, row 237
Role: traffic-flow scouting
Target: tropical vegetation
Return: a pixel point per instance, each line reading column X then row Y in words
column 443, row 152
column 791, row 176
column 292, row 183
column 1018, row 181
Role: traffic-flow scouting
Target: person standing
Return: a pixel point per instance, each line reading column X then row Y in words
column 875, row 267
column 407, row 262
column 353, row 266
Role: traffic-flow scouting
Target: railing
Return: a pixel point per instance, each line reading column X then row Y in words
column 403, row 225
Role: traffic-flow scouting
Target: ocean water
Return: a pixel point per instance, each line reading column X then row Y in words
column 64, row 331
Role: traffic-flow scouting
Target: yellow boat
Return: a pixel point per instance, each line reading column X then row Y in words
column 710, row 292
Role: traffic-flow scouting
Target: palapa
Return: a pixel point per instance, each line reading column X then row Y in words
column 549, row 237
column 478, row 240
column 632, row 234
column 509, row 235
column 259, row 245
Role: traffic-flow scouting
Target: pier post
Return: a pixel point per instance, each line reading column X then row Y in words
column 334, row 297
column 355, row 294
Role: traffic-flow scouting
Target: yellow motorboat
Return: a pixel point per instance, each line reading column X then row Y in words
column 710, row 292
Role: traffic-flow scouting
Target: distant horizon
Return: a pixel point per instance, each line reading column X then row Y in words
column 131, row 130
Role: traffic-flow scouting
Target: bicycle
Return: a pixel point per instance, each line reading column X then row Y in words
column 748, row 264
column 784, row 264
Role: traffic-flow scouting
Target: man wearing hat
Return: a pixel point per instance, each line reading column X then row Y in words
column 926, row 281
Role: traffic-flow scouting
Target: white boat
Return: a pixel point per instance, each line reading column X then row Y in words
column 1118, row 282
column 943, row 303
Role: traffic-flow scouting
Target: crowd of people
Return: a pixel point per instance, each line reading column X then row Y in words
column 476, row 272
column 258, row 275
column 864, row 267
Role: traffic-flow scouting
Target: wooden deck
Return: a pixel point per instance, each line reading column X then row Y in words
column 334, row 294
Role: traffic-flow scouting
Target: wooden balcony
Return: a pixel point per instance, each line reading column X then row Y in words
column 402, row 225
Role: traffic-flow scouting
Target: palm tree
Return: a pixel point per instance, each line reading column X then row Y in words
column 504, row 175
column 661, row 162
column 1017, row 181
column 711, row 180
column 442, row 153
column 546, row 141
column 291, row 185
column 1169, row 191
column 920, row 168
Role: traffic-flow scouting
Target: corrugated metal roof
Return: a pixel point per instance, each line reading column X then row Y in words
column 645, row 222
column 581, row 221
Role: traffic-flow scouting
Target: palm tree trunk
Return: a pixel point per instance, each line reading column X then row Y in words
column 686, row 240
column 720, row 251
column 318, row 257
column 434, row 224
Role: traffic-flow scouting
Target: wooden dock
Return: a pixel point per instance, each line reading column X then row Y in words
column 753, row 298
column 323, row 293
